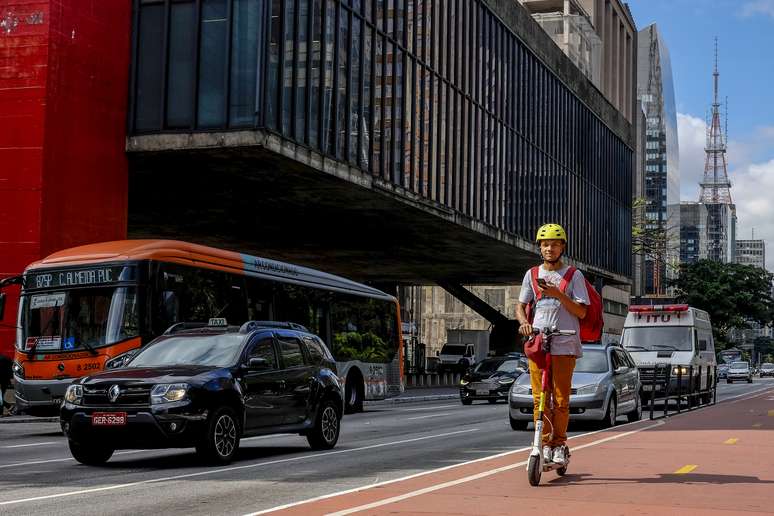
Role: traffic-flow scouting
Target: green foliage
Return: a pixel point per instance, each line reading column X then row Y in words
column 366, row 347
column 731, row 293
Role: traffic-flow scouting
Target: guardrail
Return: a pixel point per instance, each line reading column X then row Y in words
column 659, row 388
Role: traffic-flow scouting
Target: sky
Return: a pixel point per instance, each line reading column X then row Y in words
column 745, row 32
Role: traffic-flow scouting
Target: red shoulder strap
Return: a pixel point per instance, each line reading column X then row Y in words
column 534, row 272
column 567, row 278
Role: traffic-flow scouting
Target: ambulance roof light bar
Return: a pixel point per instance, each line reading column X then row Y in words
column 658, row 308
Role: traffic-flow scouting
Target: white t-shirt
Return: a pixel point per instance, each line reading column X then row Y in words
column 549, row 311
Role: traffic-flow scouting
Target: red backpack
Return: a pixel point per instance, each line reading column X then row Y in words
column 591, row 325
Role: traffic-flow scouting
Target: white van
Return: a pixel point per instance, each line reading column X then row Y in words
column 678, row 335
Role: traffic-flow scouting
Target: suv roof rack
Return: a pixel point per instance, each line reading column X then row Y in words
column 188, row 326
column 254, row 325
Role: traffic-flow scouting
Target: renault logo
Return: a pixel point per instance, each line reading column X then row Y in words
column 113, row 393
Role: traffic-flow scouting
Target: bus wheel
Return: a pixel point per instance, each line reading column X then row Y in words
column 354, row 392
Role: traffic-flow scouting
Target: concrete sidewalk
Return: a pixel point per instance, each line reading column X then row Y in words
column 718, row 460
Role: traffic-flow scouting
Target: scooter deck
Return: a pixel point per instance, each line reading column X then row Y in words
column 551, row 466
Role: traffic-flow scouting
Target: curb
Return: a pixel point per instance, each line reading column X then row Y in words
column 411, row 399
column 23, row 419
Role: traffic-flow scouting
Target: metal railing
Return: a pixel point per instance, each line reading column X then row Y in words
column 657, row 384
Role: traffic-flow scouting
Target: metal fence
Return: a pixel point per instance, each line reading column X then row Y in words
column 662, row 384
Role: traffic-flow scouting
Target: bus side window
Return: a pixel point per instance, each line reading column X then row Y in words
column 260, row 299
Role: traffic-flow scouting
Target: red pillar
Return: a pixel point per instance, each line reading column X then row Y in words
column 64, row 68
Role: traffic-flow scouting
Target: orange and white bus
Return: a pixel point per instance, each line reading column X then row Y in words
column 90, row 308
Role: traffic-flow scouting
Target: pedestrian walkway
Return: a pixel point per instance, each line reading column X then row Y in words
column 718, row 460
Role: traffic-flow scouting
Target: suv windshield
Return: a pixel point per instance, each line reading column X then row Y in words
column 658, row 338
column 450, row 349
column 78, row 319
column 592, row 361
column 211, row 350
column 494, row 365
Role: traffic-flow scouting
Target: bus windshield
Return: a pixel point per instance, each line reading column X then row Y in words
column 78, row 319
column 658, row 338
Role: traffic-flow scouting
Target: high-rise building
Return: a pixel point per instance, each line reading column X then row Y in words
column 693, row 232
column 716, row 187
column 662, row 167
column 751, row 252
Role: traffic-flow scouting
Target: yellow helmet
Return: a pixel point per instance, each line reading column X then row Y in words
column 551, row 232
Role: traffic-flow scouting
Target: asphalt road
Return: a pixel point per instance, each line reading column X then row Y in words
column 38, row 476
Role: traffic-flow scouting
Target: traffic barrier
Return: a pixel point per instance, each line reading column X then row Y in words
column 691, row 393
column 417, row 380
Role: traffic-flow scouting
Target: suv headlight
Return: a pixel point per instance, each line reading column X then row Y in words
column 585, row 390
column 18, row 370
column 680, row 370
column 506, row 380
column 74, row 394
column 168, row 392
column 464, row 382
column 121, row 360
column 520, row 390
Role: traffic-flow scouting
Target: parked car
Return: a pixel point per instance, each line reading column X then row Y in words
column 491, row 379
column 722, row 371
column 605, row 384
column 767, row 369
column 739, row 371
column 207, row 386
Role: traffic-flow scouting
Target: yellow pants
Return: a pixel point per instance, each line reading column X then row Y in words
column 559, row 386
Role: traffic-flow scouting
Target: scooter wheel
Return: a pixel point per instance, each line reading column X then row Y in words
column 561, row 471
column 534, row 470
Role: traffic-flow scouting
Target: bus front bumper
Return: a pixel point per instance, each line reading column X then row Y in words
column 40, row 397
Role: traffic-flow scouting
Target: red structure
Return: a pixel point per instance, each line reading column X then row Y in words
column 64, row 68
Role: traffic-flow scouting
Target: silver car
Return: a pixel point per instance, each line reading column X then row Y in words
column 605, row 384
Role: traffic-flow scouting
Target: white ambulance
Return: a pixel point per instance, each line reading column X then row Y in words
column 677, row 335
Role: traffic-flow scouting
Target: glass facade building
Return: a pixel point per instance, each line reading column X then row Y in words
column 662, row 160
column 438, row 98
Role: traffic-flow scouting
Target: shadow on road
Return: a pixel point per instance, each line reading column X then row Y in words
column 662, row 478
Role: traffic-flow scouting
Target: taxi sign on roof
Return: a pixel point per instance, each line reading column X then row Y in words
column 217, row 321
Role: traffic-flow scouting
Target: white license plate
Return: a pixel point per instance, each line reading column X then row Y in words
column 482, row 392
column 108, row 419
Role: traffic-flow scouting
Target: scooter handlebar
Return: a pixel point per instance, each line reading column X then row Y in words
column 549, row 332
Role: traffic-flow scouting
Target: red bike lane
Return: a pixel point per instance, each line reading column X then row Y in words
column 717, row 460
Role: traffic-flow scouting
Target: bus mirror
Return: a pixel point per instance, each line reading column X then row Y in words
column 2, row 305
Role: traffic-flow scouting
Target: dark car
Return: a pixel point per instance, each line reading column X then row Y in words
column 206, row 387
column 490, row 379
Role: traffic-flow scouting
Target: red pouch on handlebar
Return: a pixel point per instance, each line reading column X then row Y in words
column 533, row 348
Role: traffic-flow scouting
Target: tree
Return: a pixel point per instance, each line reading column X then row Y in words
column 731, row 293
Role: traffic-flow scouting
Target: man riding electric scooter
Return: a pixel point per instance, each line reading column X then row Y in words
column 556, row 300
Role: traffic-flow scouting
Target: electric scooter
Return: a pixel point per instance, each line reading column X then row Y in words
column 535, row 466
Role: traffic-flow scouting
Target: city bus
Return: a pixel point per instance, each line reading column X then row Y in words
column 92, row 307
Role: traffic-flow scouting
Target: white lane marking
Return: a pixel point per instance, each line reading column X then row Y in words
column 749, row 395
column 429, row 408
column 31, row 444
column 431, row 415
column 231, row 468
column 470, row 478
column 423, row 473
column 46, row 461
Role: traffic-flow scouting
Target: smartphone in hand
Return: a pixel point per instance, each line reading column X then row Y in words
column 542, row 283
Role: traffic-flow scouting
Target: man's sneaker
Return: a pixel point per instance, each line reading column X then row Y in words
column 547, row 454
column 560, row 454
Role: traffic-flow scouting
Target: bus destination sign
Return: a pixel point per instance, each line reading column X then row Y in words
column 74, row 278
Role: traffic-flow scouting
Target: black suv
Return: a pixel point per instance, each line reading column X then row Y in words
column 491, row 378
column 207, row 386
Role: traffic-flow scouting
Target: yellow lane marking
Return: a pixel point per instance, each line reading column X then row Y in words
column 757, row 425
column 686, row 469
column 733, row 440
column 771, row 413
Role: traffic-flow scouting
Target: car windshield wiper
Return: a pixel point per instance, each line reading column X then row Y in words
column 667, row 346
column 90, row 348
column 632, row 346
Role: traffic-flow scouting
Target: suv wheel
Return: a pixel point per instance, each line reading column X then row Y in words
column 221, row 437
column 90, row 455
column 326, row 429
